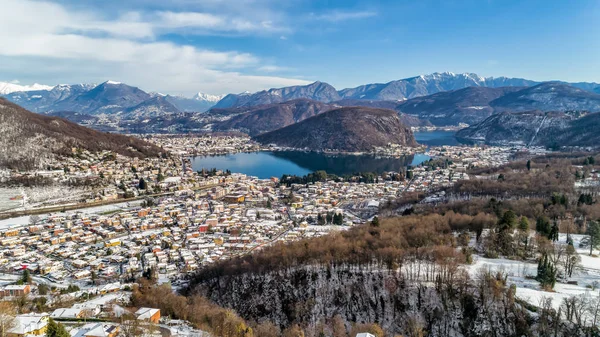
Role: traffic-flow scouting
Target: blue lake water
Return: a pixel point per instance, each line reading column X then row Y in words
column 436, row 138
column 275, row 164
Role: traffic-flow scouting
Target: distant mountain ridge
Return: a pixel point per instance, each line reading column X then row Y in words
column 109, row 97
column 472, row 105
column 265, row 118
column 398, row 90
column 317, row 91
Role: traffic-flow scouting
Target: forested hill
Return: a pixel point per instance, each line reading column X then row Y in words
column 28, row 140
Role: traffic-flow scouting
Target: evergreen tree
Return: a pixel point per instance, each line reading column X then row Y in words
column 55, row 329
column 529, row 165
column 593, row 231
column 542, row 226
column 375, row 221
column 508, row 220
column 26, row 278
column 524, row 224
column 546, row 272
column 553, row 235
column 142, row 185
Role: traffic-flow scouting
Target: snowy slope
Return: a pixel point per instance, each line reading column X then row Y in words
column 7, row 88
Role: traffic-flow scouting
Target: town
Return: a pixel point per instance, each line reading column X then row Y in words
column 157, row 218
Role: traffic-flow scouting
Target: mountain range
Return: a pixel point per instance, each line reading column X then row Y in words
column 439, row 99
column 398, row 90
column 109, row 97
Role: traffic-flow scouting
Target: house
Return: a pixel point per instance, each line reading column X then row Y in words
column 148, row 314
column 364, row 334
column 30, row 324
column 97, row 330
column 15, row 290
column 67, row 313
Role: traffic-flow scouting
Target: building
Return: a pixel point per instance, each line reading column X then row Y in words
column 97, row 330
column 15, row 290
column 364, row 334
column 30, row 324
column 148, row 314
column 67, row 313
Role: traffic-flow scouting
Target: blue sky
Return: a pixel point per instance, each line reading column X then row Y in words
column 221, row 46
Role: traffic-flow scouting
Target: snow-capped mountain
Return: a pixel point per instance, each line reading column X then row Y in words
column 318, row 91
column 7, row 88
column 200, row 102
column 207, row 97
column 424, row 85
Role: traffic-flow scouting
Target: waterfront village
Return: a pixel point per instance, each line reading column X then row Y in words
column 158, row 218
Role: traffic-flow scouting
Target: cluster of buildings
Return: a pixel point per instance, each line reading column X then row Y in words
column 204, row 144
column 145, row 321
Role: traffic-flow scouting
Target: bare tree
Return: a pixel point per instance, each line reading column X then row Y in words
column 7, row 317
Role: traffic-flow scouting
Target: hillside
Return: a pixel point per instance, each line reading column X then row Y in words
column 317, row 91
column 344, row 129
column 536, row 128
column 469, row 105
column 548, row 96
column 265, row 118
column 28, row 140
column 150, row 108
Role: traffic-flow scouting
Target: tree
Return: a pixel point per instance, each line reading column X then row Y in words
column 56, row 329
column 142, row 184
column 26, row 277
column 508, row 220
column 375, row 221
column 7, row 317
column 34, row 219
column 529, row 165
column 320, row 220
column 571, row 260
column 542, row 226
column 554, row 232
column 269, row 205
column 593, row 231
column 546, row 273
column 524, row 224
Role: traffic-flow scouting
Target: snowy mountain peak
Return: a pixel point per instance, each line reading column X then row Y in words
column 207, row 97
column 113, row 82
column 7, row 88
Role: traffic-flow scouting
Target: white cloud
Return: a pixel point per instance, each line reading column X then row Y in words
column 272, row 68
column 49, row 39
column 338, row 16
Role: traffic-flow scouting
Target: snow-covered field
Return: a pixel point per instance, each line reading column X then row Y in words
column 24, row 220
column 521, row 273
column 5, row 202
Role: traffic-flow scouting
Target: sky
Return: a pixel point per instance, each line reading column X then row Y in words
column 225, row 46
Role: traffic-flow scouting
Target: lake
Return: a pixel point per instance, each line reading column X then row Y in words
column 277, row 163
column 436, row 138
